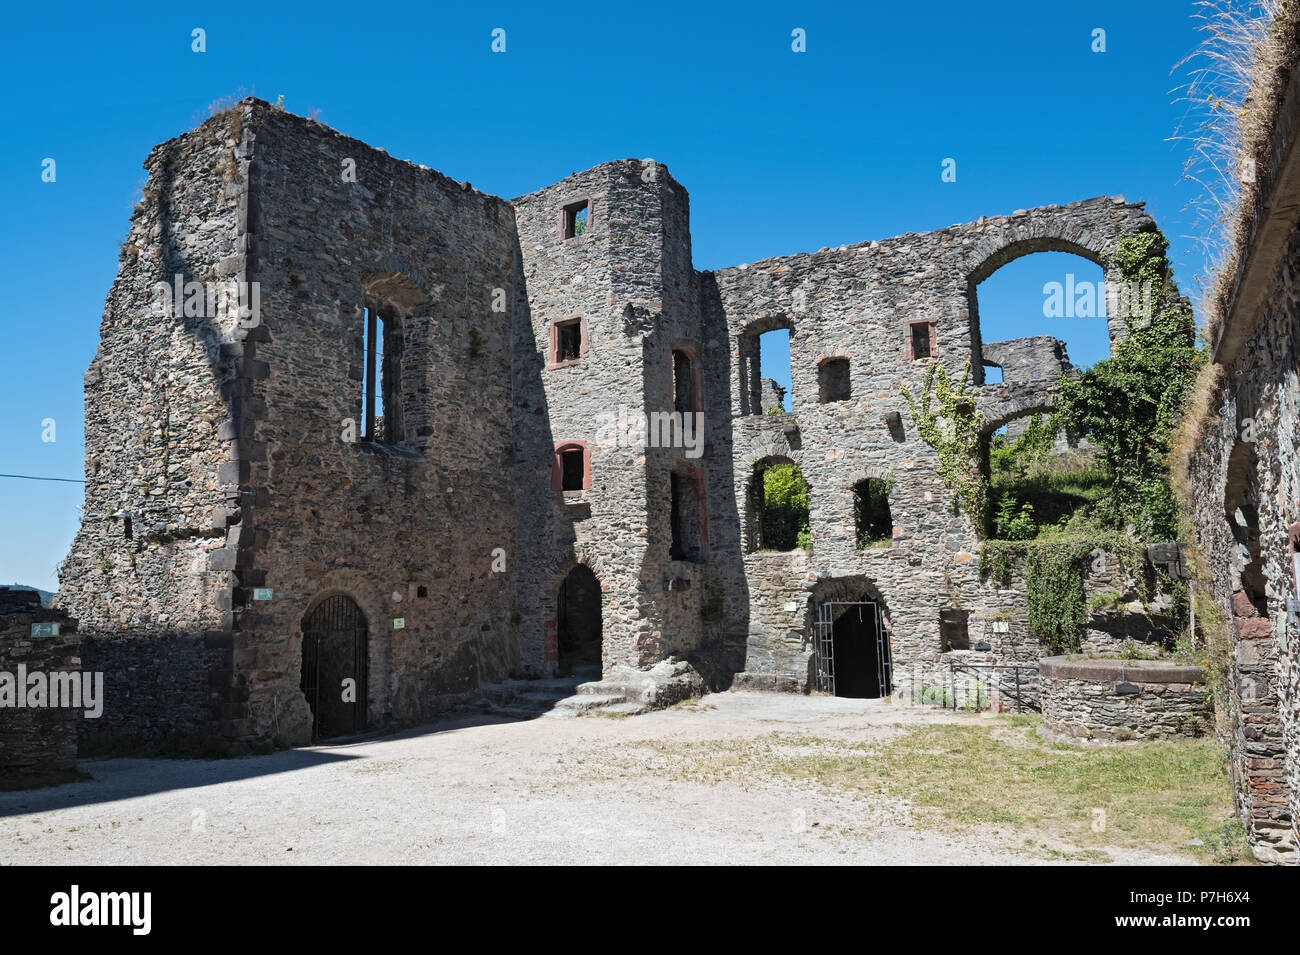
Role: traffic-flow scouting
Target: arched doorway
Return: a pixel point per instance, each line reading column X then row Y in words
column 335, row 666
column 578, row 624
column 851, row 647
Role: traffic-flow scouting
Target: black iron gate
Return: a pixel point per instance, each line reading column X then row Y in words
column 824, row 643
column 335, row 648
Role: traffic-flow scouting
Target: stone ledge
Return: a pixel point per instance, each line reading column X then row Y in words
column 1119, row 671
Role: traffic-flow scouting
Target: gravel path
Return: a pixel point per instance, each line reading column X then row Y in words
column 485, row 790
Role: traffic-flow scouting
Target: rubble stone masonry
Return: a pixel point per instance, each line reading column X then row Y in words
column 226, row 498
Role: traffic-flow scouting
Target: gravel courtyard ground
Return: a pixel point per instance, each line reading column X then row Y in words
column 733, row 778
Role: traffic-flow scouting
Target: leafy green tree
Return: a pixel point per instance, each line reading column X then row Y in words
column 1128, row 405
column 785, row 507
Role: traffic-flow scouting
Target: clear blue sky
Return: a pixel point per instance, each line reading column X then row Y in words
column 782, row 152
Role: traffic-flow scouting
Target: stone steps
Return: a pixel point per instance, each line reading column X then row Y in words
column 629, row 692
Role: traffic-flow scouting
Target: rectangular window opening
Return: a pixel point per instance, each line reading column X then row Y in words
column 872, row 520
column 772, row 382
column 834, row 382
column 577, row 219
column 683, row 383
column 921, row 333
column 571, row 470
column 954, row 633
column 569, row 341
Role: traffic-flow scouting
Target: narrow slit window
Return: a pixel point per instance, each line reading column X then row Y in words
column 684, row 396
column 374, row 380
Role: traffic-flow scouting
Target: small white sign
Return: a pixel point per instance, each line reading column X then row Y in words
column 791, row 606
column 1001, row 626
column 399, row 623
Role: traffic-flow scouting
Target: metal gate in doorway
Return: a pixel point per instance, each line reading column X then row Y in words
column 335, row 648
column 824, row 642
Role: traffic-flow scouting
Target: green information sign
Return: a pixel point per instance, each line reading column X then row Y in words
column 261, row 593
column 45, row 630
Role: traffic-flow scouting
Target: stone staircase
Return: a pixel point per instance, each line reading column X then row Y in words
column 626, row 692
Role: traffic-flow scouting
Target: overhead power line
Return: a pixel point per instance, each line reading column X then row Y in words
column 32, row 477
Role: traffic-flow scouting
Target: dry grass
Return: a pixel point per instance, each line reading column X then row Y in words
column 1156, row 795
column 1235, row 81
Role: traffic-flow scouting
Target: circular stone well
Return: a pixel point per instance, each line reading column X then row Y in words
column 1117, row 700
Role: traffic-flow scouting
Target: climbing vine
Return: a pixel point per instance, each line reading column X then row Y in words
column 953, row 430
column 1054, row 572
column 1127, row 405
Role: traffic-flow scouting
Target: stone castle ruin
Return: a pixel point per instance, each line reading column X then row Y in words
column 409, row 471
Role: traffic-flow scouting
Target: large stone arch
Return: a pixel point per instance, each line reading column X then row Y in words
column 1006, row 404
column 1091, row 229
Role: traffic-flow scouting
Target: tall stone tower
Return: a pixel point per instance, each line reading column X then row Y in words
column 607, row 346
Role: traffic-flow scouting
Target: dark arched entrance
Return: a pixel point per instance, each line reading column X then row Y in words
column 851, row 649
column 335, row 666
column 578, row 624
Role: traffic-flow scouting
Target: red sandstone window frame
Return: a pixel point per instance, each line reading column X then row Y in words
column 691, row 349
column 568, row 217
column 934, row 339
column 553, row 351
column 557, row 463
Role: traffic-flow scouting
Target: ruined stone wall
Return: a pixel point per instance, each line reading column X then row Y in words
column 1116, row 702
column 38, row 745
column 859, row 303
column 231, row 437
column 144, row 575
column 232, row 444
column 406, row 528
column 629, row 281
column 1245, row 482
column 1036, row 358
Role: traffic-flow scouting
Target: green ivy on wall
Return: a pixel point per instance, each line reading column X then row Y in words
column 953, row 430
column 1054, row 571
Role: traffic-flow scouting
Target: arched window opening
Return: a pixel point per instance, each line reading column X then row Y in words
column 1036, row 319
column 394, row 361
column 778, row 507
